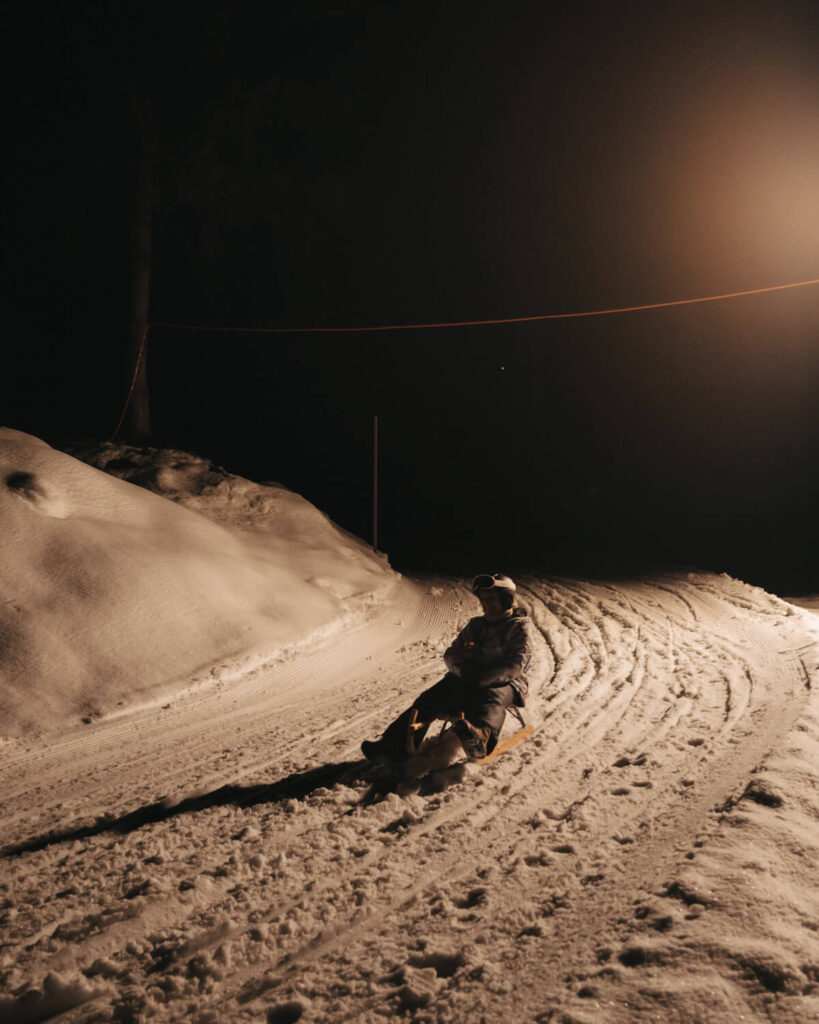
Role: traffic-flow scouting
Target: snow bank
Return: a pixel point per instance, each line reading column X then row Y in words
column 649, row 854
column 112, row 594
column 56, row 995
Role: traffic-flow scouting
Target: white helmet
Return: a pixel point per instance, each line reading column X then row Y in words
column 491, row 581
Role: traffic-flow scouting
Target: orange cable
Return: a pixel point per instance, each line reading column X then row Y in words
column 137, row 365
column 451, row 323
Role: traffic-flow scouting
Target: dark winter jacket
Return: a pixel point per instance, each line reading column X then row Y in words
column 493, row 651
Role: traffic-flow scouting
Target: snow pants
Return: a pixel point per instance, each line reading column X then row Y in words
column 483, row 706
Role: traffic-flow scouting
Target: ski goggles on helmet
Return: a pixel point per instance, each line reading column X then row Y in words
column 488, row 582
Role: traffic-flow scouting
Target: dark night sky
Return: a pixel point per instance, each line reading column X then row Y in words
column 362, row 163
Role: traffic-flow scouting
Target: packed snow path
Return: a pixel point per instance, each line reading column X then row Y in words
column 226, row 857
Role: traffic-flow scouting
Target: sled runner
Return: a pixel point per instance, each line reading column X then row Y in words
column 417, row 731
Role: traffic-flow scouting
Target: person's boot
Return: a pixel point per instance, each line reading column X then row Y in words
column 373, row 750
column 474, row 738
column 393, row 744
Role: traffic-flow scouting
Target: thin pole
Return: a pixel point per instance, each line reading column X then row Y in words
column 375, row 484
column 139, row 397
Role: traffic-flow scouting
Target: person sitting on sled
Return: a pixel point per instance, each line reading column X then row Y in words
column 486, row 663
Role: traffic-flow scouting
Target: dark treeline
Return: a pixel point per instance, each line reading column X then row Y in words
column 362, row 163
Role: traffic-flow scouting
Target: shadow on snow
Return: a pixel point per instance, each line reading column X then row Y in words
column 293, row 787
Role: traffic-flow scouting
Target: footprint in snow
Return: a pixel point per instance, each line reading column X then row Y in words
column 474, row 898
column 39, row 494
column 624, row 762
column 635, row 955
column 286, row 1013
column 422, row 977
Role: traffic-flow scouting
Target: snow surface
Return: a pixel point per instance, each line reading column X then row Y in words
column 111, row 594
column 648, row 855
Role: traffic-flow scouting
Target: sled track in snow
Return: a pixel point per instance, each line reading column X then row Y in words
column 205, row 737
column 626, row 846
column 655, row 702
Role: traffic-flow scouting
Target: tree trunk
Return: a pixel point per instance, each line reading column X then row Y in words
column 139, row 410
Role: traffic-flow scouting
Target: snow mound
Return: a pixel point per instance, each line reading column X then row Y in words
column 57, row 995
column 112, row 594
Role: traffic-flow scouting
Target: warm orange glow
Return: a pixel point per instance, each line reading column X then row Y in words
column 744, row 200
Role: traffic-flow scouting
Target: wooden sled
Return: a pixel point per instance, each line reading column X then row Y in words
column 417, row 731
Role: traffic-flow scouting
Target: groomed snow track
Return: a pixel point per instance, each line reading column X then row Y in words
column 182, row 863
